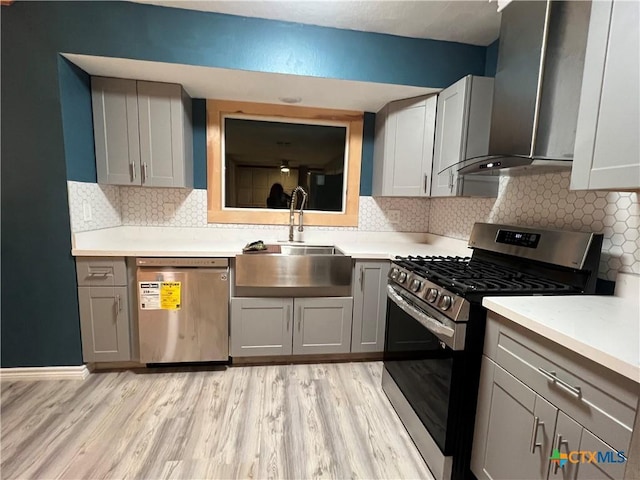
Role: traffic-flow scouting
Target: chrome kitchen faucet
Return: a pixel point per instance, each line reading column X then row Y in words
column 294, row 198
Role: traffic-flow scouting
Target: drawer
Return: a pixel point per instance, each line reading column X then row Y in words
column 604, row 402
column 101, row 271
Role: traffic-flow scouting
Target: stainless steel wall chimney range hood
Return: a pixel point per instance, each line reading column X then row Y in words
column 537, row 88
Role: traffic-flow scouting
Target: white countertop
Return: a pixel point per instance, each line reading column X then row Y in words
column 210, row 242
column 605, row 329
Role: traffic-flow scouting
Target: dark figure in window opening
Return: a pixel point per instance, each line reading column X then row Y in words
column 277, row 197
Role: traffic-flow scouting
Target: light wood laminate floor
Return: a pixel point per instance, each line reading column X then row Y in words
column 285, row 421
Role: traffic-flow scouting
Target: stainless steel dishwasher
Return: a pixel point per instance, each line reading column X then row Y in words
column 183, row 309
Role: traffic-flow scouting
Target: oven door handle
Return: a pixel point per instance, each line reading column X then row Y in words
column 427, row 321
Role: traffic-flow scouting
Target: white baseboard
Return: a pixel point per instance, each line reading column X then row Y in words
column 44, row 373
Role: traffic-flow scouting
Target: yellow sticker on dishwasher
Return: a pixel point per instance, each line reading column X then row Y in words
column 170, row 295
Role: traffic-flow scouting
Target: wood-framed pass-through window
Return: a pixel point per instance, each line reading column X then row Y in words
column 258, row 153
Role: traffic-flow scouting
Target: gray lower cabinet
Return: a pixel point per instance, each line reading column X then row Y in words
column 107, row 316
column 536, row 398
column 104, row 321
column 369, row 306
column 261, row 326
column 518, row 431
column 143, row 133
column 323, row 325
column 514, row 428
column 285, row 326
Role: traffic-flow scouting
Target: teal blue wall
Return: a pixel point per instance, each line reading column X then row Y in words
column 491, row 59
column 199, row 121
column 77, row 121
column 366, row 169
column 46, row 128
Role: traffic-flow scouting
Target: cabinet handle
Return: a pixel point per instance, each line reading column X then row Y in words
column 426, row 177
column 288, row 314
column 118, row 304
column 577, row 391
column 559, row 443
column 534, row 434
column 361, row 278
column 132, row 167
column 144, row 172
column 299, row 319
column 450, row 179
column 99, row 275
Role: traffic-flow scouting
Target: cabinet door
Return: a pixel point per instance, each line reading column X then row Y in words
column 115, row 125
column 322, row 325
column 607, row 150
column 369, row 306
column 161, row 134
column 410, row 126
column 104, row 323
column 608, row 464
column 450, row 144
column 261, row 326
column 514, row 428
column 566, row 439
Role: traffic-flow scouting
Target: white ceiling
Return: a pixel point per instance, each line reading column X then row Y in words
column 474, row 22
column 249, row 86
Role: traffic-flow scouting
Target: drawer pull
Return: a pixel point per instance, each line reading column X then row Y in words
column 534, row 434
column 99, row 274
column 577, row 391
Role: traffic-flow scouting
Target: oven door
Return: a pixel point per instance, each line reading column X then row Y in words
column 419, row 357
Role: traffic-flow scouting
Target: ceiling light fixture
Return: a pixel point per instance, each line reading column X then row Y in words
column 290, row 100
column 284, row 166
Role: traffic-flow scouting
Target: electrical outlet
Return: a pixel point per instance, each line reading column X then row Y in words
column 393, row 216
column 169, row 209
column 86, row 211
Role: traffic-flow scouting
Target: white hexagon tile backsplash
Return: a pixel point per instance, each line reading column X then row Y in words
column 546, row 201
column 536, row 200
column 93, row 206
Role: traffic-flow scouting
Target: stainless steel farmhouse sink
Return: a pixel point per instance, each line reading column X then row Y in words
column 295, row 270
column 309, row 250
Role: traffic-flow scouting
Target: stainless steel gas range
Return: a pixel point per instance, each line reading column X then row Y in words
column 435, row 326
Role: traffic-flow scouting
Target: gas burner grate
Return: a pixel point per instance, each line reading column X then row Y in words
column 464, row 275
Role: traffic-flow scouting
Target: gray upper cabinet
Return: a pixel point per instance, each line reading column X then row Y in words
column 323, row 325
column 462, row 132
column 142, row 133
column 607, row 149
column 403, row 149
column 115, row 125
column 107, row 316
column 369, row 306
column 166, row 143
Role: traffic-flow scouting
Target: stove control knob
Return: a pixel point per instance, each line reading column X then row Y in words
column 432, row 294
column 394, row 273
column 402, row 276
column 415, row 285
column 445, row 302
